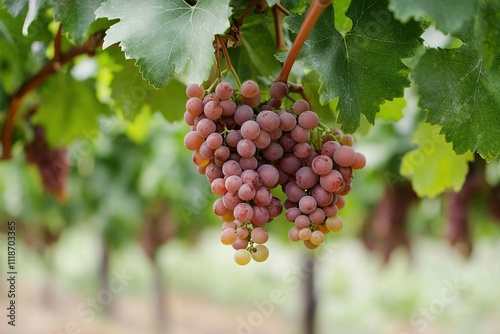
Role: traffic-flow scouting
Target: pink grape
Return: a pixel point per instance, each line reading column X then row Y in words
column 233, row 183
column 195, row 90
column 273, row 152
column 260, row 215
column 193, row 140
column 300, row 106
column 344, row 156
column 302, row 150
column 302, row 221
column 224, row 91
column 242, row 114
column 249, row 89
column 269, row 175
column 306, row 178
column 250, row 130
column 300, row 134
column 205, row 127
column 307, row 204
column 231, row 167
column 246, row 148
column 212, row 110
column 259, row 235
column 214, row 140
column 287, row 121
column 278, row 90
column 243, row 212
column 228, row 107
column 322, row 165
column 268, row 120
column 246, row 192
column 194, row 106
column 359, row 161
column 332, row 181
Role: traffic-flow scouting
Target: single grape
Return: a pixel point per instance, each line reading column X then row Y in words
column 219, row 208
column 302, row 221
column 290, row 164
column 344, row 156
column 332, row 181
column 249, row 163
column 274, row 104
column 307, row 204
column 273, row 152
column 242, row 257
column 205, row 127
column 278, row 90
column 246, row 192
column 259, row 235
column 317, row 216
column 240, row 244
column 249, row 89
column 224, row 91
column 260, row 253
column 231, row 167
column 194, row 106
column 263, row 197
column 263, row 140
column 195, row 90
column 243, row 212
column 193, row 141
column 322, row 197
column 346, row 140
column 359, row 161
column 198, row 160
column 293, row 234
column 268, row 120
column 274, row 207
column 293, row 192
column 233, row 183
column 212, row 110
column 306, row 178
column 340, row 203
column 287, row 121
column 231, row 200
column 250, row 130
column 214, row 140
column 317, row 238
column 328, row 148
column 222, row 154
column 269, row 175
column 228, row 236
column 322, row 165
column 292, row 213
column 189, row 118
column 305, row 233
column 233, row 137
column 228, row 107
column 287, row 142
column 230, row 224
column 242, row 233
column 300, row 106
column 308, row 120
column 246, row 148
column 260, row 216
column 242, row 114
column 218, row 187
column 300, row 134
column 302, row 150
column 206, row 151
column 335, row 223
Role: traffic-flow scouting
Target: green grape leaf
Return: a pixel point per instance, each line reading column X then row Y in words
column 131, row 92
column 463, row 96
column 448, row 15
column 362, row 67
column 69, row 110
column 76, row 16
column 167, row 36
column 342, row 23
column 488, row 30
column 434, row 167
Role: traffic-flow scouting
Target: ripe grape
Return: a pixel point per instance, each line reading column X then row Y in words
column 260, row 253
column 195, row 90
column 300, row 106
column 268, row 120
column 224, row 91
column 242, row 257
column 308, row 120
column 278, row 90
column 259, row 235
column 249, row 89
column 344, row 156
column 228, row 236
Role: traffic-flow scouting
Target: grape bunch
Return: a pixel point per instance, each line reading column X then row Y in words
column 246, row 148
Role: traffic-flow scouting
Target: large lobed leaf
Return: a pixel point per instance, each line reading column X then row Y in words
column 167, row 36
column 434, row 167
column 362, row 67
column 462, row 95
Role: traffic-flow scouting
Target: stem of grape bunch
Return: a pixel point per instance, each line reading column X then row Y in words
column 314, row 12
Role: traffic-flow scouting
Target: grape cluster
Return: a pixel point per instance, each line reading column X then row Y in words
column 246, row 148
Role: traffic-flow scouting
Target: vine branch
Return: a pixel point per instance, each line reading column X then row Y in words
column 317, row 7
column 60, row 58
column 278, row 28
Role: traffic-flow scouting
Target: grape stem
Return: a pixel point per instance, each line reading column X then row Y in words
column 54, row 65
column 314, row 12
column 229, row 65
column 278, row 28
